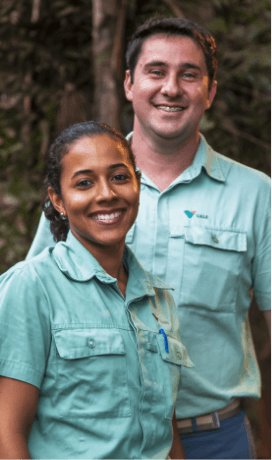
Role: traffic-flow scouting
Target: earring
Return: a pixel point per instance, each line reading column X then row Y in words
column 63, row 216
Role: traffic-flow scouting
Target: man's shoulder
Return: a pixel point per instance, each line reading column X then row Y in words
column 234, row 170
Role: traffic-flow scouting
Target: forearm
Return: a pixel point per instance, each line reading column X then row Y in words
column 13, row 445
column 177, row 450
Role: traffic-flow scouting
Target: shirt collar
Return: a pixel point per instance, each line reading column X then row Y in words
column 205, row 158
column 209, row 160
column 76, row 262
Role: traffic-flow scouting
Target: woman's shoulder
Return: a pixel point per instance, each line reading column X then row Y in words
column 29, row 271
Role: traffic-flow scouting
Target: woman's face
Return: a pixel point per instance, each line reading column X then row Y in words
column 99, row 191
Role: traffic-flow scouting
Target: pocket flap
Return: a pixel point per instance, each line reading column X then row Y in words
column 177, row 352
column 221, row 239
column 81, row 343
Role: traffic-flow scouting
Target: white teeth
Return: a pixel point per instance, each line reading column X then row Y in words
column 113, row 215
column 170, row 109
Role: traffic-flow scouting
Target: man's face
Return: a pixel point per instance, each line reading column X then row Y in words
column 170, row 89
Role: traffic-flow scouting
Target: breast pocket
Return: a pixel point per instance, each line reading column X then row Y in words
column 212, row 267
column 91, row 373
column 171, row 362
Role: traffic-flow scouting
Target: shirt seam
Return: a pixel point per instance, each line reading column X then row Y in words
column 21, row 365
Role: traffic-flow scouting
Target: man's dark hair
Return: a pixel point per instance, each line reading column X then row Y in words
column 59, row 227
column 169, row 27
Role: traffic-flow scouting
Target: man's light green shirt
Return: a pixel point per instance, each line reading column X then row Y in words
column 108, row 383
column 208, row 236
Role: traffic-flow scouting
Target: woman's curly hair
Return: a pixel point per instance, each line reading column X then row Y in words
column 59, row 227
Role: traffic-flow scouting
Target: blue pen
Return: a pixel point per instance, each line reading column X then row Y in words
column 161, row 331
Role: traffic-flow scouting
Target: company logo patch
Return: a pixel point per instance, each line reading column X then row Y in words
column 190, row 213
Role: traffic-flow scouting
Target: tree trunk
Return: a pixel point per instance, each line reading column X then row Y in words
column 108, row 31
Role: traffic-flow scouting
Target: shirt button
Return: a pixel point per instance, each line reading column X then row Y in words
column 91, row 343
column 178, row 354
column 214, row 239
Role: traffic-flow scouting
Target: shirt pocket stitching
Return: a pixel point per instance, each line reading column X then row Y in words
column 177, row 352
column 106, row 347
column 229, row 240
column 72, row 349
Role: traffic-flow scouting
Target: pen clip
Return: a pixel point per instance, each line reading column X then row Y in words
column 161, row 331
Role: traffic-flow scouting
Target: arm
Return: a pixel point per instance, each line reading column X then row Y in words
column 18, row 403
column 267, row 316
column 177, row 450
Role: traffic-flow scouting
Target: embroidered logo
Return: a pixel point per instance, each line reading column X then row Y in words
column 190, row 213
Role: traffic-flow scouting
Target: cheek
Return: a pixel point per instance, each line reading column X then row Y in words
column 201, row 89
column 75, row 202
column 145, row 89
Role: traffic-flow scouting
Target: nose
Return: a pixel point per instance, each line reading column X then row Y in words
column 171, row 86
column 105, row 191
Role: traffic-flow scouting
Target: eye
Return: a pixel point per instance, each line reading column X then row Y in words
column 157, row 73
column 120, row 177
column 189, row 76
column 84, row 183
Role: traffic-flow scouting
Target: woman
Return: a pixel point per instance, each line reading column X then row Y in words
column 89, row 341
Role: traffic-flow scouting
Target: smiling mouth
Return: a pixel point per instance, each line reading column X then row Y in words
column 168, row 108
column 108, row 218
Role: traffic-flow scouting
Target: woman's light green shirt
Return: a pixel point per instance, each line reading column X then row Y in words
column 107, row 384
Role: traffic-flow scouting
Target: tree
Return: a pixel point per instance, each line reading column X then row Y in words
column 107, row 33
column 64, row 63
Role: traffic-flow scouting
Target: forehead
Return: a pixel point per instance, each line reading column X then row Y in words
column 98, row 145
column 171, row 49
column 98, row 150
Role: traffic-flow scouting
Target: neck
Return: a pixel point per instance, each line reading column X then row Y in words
column 111, row 260
column 162, row 159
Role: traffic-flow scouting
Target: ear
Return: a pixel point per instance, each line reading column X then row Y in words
column 56, row 201
column 211, row 95
column 128, row 86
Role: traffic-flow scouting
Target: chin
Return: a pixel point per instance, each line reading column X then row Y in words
column 170, row 134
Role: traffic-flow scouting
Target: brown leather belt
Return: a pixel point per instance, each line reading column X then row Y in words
column 209, row 421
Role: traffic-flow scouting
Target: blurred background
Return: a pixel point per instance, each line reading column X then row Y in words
column 62, row 62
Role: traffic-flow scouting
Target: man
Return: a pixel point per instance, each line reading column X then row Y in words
column 203, row 226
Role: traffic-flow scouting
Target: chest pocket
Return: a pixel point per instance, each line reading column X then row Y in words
column 211, row 267
column 171, row 362
column 91, row 373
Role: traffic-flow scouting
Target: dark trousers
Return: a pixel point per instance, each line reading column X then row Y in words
column 232, row 440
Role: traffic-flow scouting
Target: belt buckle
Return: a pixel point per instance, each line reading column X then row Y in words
column 215, row 420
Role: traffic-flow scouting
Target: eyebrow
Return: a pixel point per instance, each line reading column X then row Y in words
column 186, row 65
column 90, row 171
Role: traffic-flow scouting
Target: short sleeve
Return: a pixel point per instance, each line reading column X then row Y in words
column 261, row 266
column 24, row 325
column 42, row 239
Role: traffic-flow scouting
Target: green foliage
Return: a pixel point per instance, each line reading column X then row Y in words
column 47, row 71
